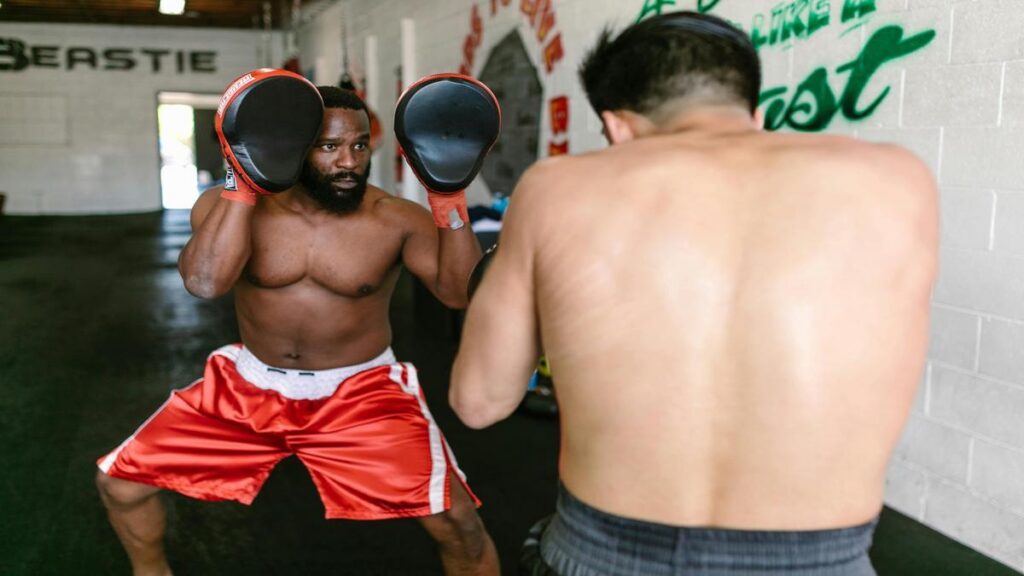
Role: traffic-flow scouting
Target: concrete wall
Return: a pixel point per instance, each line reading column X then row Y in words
column 79, row 135
column 945, row 78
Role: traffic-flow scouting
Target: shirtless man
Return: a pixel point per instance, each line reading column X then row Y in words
column 313, row 270
column 736, row 320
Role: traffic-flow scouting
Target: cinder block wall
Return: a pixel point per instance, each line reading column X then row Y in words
column 944, row 78
column 78, row 127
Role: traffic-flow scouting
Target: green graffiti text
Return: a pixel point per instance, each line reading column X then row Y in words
column 706, row 5
column 800, row 19
column 788, row 20
column 814, row 104
column 654, row 8
column 853, row 9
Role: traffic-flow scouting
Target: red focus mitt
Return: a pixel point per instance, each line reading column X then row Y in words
column 266, row 121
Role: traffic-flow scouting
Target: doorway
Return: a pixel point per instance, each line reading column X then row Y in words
column 190, row 158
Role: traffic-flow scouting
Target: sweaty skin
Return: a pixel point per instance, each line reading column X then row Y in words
column 736, row 321
column 312, row 287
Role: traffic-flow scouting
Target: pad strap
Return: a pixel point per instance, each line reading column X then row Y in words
column 449, row 209
column 236, row 190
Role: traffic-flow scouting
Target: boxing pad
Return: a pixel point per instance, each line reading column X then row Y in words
column 446, row 124
column 477, row 275
column 266, row 122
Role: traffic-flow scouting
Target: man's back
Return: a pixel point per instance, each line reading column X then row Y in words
column 735, row 324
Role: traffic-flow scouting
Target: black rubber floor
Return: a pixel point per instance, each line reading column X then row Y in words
column 96, row 329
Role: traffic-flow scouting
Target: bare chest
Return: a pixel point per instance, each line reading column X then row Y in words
column 348, row 257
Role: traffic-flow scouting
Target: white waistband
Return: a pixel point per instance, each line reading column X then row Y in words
column 302, row 384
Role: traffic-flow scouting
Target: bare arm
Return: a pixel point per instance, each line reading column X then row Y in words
column 213, row 259
column 500, row 340
column 441, row 258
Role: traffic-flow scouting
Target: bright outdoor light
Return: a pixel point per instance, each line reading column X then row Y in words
column 176, row 7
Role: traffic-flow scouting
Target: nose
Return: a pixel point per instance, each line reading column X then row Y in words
column 346, row 159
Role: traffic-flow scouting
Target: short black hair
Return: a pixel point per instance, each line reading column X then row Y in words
column 335, row 97
column 672, row 57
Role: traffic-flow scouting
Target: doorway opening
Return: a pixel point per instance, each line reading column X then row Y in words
column 190, row 158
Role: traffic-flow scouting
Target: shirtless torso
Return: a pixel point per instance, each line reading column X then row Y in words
column 315, row 291
column 312, row 286
column 303, row 300
column 735, row 322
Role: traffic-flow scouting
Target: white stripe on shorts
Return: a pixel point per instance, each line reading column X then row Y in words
column 439, row 466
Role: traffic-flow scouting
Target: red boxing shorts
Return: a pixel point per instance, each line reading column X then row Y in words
column 364, row 433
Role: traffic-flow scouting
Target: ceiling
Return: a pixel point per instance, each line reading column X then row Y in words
column 198, row 13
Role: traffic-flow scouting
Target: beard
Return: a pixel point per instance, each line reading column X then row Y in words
column 323, row 188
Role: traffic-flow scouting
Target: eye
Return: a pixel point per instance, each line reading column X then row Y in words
column 361, row 146
column 329, row 147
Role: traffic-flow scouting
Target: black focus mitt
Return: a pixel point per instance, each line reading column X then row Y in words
column 446, row 124
column 266, row 122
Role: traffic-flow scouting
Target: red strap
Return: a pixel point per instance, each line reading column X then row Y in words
column 236, row 190
column 239, row 196
column 449, row 209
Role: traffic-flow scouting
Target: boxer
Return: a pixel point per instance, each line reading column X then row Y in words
column 735, row 320
column 312, row 253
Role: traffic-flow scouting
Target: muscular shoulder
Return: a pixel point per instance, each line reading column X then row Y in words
column 905, row 182
column 893, row 161
column 889, row 184
column 870, row 169
column 865, row 157
column 396, row 212
column 385, row 205
column 551, row 181
column 204, row 204
column 546, row 198
column 209, row 196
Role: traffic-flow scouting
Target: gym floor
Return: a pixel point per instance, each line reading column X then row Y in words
column 96, row 331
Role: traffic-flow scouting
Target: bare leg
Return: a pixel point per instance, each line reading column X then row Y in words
column 138, row 518
column 466, row 548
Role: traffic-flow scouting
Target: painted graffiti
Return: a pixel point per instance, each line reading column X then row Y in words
column 558, row 109
column 801, row 19
column 853, row 9
column 786, row 21
column 541, row 15
column 656, row 7
column 790, row 20
column 510, row 72
column 813, row 104
column 472, row 41
column 543, row 20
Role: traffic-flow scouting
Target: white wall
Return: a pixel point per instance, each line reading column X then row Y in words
column 84, row 140
column 957, row 100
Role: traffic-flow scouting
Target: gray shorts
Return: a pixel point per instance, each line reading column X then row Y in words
column 582, row 541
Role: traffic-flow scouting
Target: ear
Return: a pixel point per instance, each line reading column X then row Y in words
column 617, row 129
column 759, row 118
